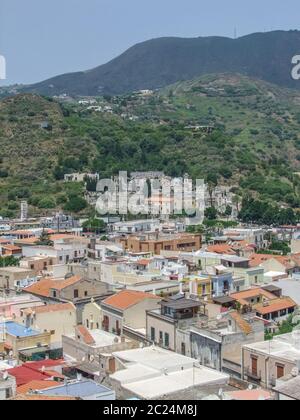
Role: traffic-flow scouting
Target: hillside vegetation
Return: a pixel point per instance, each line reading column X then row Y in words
column 254, row 146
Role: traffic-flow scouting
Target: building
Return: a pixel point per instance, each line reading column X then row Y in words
column 164, row 323
column 251, row 236
column 84, row 389
column 7, row 386
column 92, row 316
column 93, row 349
column 10, row 250
column 218, row 345
column 155, row 243
column 70, row 288
column 41, row 371
column 57, row 319
column 19, row 339
column 11, row 306
column 41, row 265
column 153, row 373
column 265, row 304
column 127, row 308
column 265, row 362
column 24, row 211
column 288, row 387
column 137, row 226
column 13, row 278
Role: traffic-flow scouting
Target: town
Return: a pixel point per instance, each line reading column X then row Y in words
column 149, row 309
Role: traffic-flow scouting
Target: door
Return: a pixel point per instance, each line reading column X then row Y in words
column 254, row 366
column 280, row 371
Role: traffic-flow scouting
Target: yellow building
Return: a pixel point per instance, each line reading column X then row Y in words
column 200, row 286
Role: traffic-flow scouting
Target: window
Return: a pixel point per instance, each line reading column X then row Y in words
column 54, row 294
column 152, row 334
column 76, row 294
column 280, row 371
column 183, row 349
column 167, row 340
column 254, row 366
column 52, row 332
column 161, row 337
column 85, row 293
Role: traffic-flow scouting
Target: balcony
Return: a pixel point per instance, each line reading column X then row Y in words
column 253, row 374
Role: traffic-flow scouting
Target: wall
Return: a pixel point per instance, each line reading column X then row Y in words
column 59, row 322
column 165, row 327
column 93, row 314
column 206, row 347
column 135, row 317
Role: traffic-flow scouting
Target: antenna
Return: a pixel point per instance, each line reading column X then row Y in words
column 235, row 32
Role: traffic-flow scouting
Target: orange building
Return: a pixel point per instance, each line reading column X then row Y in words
column 155, row 243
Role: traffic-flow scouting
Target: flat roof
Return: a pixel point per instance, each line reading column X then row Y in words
column 223, row 299
column 18, row 330
column 101, row 338
column 181, row 303
column 77, row 389
column 282, row 347
column 290, row 388
column 153, row 372
column 290, row 288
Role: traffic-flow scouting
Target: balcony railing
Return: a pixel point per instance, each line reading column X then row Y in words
column 253, row 374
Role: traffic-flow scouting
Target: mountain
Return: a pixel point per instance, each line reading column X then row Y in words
column 160, row 62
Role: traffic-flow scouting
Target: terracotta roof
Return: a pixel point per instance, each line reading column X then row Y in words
column 127, row 298
column 143, row 262
column 286, row 261
column 59, row 236
column 250, row 395
column 62, row 284
column 35, row 386
column 35, row 397
column 85, row 334
column 12, row 248
column 242, row 323
column 221, row 249
column 31, row 240
column 54, row 308
column 275, row 306
column 251, row 293
column 43, row 287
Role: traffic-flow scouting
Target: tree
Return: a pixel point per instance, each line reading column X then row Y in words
column 211, row 213
column 8, row 261
column 75, row 204
column 45, row 239
column 94, row 225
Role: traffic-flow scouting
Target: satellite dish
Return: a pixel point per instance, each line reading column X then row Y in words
column 83, row 359
column 5, row 376
column 250, row 387
column 92, row 358
column 220, row 393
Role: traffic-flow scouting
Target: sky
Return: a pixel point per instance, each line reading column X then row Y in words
column 43, row 38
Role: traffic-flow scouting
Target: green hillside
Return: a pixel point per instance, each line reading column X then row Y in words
column 255, row 144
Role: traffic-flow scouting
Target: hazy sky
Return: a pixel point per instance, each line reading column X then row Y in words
column 43, row 38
